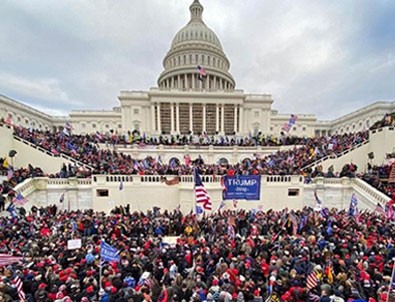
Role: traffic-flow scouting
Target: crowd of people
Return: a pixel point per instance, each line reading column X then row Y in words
column 10, row 176
column 380, row 176
column 232, row 255
column 85, row 149
column 386, row 121
column 167, row 256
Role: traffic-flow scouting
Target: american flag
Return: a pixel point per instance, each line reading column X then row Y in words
column 286, row 127
column 201, row 193
column 312, row 280
column 19, row 287
column 19, row 199
column 202, row 71
column 6, row 259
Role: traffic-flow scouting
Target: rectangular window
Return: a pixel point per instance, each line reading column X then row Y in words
column 197, row 113
column 211, row 111
column 165, row 118
column 229, row 120
column 184, row 118
column 102, row 193
column 293, row 192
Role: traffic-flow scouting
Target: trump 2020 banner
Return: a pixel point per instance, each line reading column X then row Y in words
column 242, row 187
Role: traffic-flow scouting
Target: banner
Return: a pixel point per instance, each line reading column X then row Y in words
column 73, row 244
column 108, row 253
column 242, row 187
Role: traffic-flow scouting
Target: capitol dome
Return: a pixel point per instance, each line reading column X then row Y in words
column 196, row 45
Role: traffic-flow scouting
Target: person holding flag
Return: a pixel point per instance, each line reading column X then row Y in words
column 108, row 253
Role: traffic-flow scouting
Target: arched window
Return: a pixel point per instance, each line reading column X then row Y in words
column 174, row 162
column 223, row 161
column 247, row 162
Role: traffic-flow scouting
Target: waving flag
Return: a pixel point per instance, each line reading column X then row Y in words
column 19, row 287
column 61, row 198
column 317, row 199
column 20, row 200
column 353, row 205
column 202, row 72
column 201, row 194
column 12, row 210
column 199, row 210
column 6, row 259
column 108, row 253
column 292, row 120
column 312, row 280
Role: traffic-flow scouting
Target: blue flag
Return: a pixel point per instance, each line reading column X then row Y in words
column 108, row 253
column 317, row 199
column 353, row 205
column 199, row 210
column 12, row 210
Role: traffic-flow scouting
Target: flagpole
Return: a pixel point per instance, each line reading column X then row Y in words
column 392, row 278
column 194, row 205
column 100, row 268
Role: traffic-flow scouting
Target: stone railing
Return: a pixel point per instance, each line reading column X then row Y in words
column 26, row 187
column 144, row 191
column 368, row 190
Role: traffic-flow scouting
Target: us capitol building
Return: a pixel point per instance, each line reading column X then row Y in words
column 186, row 102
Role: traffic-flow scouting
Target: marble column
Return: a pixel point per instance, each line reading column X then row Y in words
column 190, row 117
column 178, row 118
column 217, row 118
column 204, row 117
column 235, row 118
column 223, row 119
column 172, row 118
column 159, row 124
column 153, row 123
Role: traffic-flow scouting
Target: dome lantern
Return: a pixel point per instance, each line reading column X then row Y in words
column 196, row 11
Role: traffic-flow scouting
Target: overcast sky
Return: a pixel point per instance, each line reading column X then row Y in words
column 326, row 58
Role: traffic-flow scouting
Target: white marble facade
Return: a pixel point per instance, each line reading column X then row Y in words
column 188, row 101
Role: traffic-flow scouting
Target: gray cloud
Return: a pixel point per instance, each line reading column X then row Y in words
column 323, row 57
